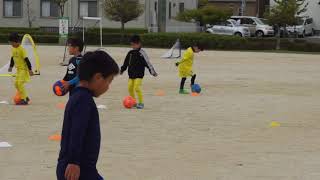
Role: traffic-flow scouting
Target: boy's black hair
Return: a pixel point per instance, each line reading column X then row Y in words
column 76, row 42
column 14, row 37
column 199, row 46
column 97, row 62
column 135, row 39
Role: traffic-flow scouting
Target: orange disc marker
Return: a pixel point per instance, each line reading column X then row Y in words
column 61, row 105
column 160, row 93
column 194, row 94
column 55, row 137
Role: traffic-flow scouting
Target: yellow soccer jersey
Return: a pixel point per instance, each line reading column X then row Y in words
column 186, row 63
column 19, row 54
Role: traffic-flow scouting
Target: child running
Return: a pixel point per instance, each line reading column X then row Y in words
column 136, row 61
column 19, row 59
column 80, row 144
column 71, row 80
column 185, row 67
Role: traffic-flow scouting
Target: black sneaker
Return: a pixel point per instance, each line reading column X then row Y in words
column 22, row 102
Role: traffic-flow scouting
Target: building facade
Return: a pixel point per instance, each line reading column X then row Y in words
column 45, row 13
column 252, row 7
column 161, row 15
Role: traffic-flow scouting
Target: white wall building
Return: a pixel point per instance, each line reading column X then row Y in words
column 45, row 13
column 160, row 15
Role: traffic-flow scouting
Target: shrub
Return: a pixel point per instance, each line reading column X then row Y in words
column 166, row 40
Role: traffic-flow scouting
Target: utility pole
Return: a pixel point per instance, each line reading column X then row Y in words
column 243, row 6
column 162, row 15
column 258, row 8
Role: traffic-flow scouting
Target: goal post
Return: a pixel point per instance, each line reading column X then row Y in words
column 97, row 19
column 81, row 22
column 174, row 52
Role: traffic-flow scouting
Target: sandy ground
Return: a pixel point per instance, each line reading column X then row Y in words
column 224, row 134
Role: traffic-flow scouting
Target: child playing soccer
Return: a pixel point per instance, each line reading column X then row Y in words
column 185, row 67
column 19, row 59
column 136, row 61
column 80, row 144
column 71, row 80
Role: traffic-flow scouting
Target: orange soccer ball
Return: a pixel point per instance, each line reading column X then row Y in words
column 17, row 98
column 129, row 102
column 58, row 88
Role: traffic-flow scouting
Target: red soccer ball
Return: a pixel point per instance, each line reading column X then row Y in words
column 129, row 102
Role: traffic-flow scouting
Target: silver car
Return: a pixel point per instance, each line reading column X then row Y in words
column 257, row 27
column 305, row 26
column 229, row 27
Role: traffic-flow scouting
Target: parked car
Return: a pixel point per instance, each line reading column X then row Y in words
column 256, row 26
column 229, row 27
column 265, row 21
column 305, row 26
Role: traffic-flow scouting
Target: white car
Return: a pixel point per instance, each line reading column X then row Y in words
column 304, row 27
column 229, row 27
column 256, row 26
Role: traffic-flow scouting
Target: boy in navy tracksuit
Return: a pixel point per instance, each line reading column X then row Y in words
column 71, row 80
column 81, row 137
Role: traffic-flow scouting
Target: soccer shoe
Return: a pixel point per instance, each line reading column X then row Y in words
column 182, row 91
column 140, row 106
column 22, row 102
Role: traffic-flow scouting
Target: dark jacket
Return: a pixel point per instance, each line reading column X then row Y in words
column 72, row 71
column 72, row 68
column 81, row 136
column 136, row 61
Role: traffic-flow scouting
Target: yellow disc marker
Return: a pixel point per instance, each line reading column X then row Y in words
column 274, row 124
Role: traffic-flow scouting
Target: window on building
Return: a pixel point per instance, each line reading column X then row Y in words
column 49, row 8
column 181, row 7
column 88, row 8
column 12, row 8
column 170, row 10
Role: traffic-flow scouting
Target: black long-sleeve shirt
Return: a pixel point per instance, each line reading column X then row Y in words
column 26, row 60
column 136, row 61
column 81, row 137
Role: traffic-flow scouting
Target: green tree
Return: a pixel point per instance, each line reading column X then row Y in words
column 202, row 3
column 285, row 13
column 207, row 14
column 61, row 4
column 123, row 11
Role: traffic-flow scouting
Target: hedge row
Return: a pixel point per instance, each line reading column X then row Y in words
column 48, row 39
column 117, row 30
column 43, row 31
column 228, row 42
column 108, row 39
column 31, row 31
column 166, row 40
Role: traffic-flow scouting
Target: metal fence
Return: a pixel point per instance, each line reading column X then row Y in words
column 56, row 29
column 177, row 29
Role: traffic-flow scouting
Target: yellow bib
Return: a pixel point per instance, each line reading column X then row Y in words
column 19, row 54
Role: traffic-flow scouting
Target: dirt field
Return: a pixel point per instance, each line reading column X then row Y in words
column 224, row 134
